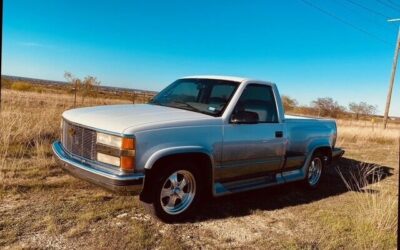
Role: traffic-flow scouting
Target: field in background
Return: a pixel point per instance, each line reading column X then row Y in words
column 46, row 86
column 41, row 206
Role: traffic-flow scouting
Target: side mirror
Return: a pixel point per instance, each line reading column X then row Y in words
column 244, row 117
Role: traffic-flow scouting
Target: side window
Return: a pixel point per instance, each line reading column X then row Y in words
column 259, row 99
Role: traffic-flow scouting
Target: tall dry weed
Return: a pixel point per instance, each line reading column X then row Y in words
column 374, row 215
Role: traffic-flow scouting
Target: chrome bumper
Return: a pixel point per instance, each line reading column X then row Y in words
column 97, row 175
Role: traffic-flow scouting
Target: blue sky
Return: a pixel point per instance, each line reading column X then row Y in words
column 148, row 44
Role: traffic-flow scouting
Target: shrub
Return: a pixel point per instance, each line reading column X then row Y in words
column 6, row 83
column 21, row 86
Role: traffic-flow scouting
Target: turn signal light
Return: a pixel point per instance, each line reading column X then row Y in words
column 127, row 163
column 128, row 143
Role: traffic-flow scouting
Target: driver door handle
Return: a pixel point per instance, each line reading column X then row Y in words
column 278, row 134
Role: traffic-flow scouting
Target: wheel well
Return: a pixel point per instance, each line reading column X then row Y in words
column 201, row 160
column 326, row 151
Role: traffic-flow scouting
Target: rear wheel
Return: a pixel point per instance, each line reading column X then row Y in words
column 315, row 171
column 176, row 192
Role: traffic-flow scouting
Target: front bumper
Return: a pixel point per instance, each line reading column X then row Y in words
column 88, row 171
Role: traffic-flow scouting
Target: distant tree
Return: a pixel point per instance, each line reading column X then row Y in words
column 71, row 79
column 362, row 108
column 75, row 83
column 87, row 87
column 328, row 107
column 289, row 103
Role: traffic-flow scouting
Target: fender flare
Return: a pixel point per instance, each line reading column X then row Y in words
column 157, row 155
column 147, row 191
column 312, row 148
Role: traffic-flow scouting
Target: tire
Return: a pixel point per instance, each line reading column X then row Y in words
column 315, row 171
column 177, row 191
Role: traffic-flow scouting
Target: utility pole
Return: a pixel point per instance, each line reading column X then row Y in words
column 393, row 75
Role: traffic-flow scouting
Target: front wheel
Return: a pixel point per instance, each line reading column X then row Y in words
column 176, row 193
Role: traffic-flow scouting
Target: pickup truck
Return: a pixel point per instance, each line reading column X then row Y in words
column 202, row 136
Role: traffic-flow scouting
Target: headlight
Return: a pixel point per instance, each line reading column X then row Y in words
column 109, row 140
column 116, row 151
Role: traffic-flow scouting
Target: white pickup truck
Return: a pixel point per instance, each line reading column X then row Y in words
column 200, row 136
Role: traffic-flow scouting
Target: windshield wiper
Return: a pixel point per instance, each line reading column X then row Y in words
column 177, row 104
column 157, row 103
column 187, row 105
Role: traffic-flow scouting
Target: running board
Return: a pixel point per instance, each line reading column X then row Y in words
column 221, row 189
column 244, row 185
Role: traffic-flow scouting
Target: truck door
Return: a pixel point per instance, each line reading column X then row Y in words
column 254, row 140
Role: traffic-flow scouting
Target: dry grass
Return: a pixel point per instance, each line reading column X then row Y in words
column 367, row 132
column 30, row 122
column 374, row 225
column 41, row 207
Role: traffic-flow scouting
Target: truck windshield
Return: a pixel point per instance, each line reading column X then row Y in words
column 208, row 96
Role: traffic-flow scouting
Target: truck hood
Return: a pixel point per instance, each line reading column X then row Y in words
column 129, row 118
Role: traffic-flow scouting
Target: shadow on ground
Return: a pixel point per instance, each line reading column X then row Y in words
column 293, row 194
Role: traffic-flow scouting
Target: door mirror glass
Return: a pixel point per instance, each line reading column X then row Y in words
column 244, row 117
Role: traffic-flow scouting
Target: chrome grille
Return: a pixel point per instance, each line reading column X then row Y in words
column 78, row 140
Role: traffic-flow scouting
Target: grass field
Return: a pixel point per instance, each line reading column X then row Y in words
column 42, row 207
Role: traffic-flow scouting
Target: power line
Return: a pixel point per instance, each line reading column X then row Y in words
column 344, row 21
column 388, row 5
column 371, row 18
column 394, row 3
column 368, row 9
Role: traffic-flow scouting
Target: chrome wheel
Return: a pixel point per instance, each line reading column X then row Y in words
column 178, row 192
column 314, row 171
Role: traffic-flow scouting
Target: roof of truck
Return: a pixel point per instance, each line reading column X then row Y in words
column 227, row 78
